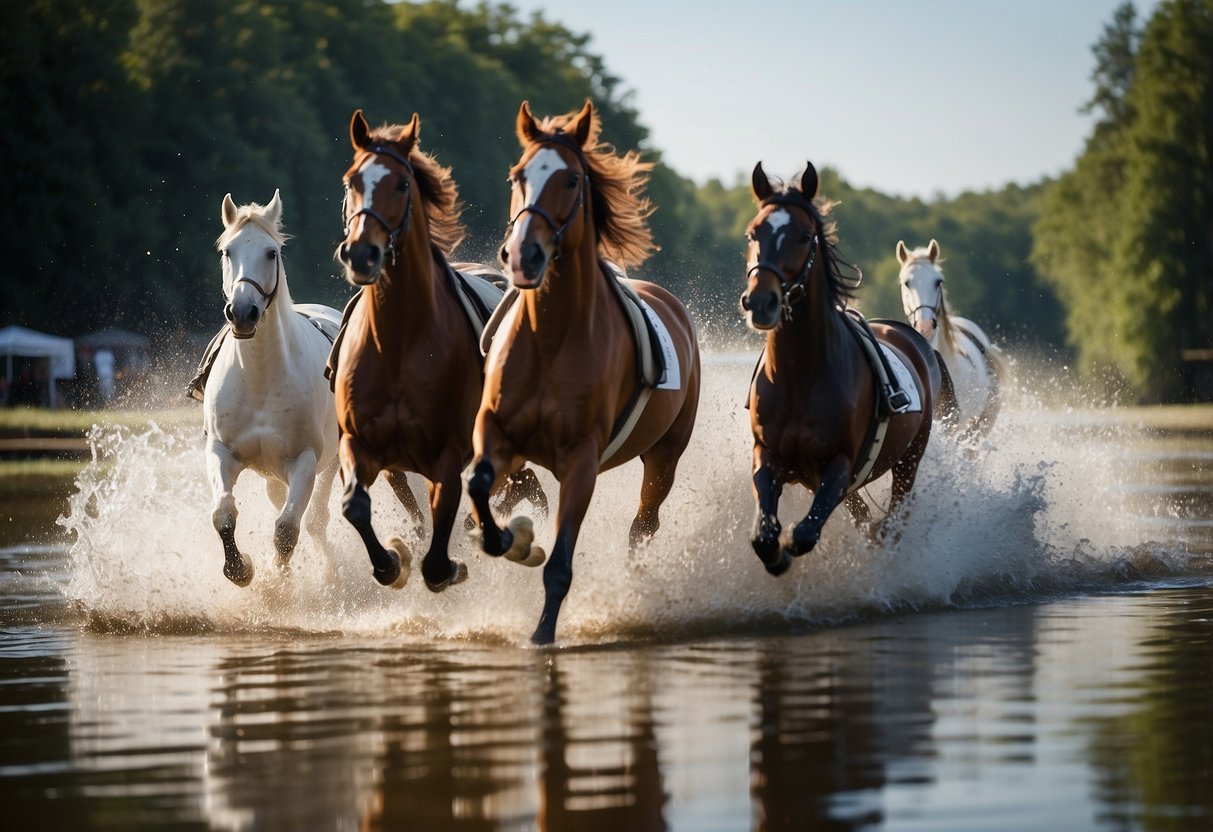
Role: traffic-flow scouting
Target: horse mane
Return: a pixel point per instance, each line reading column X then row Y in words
column 944, row 313
column 621, row 212
column 252, row 214
column 439, row 191
column 839, row 288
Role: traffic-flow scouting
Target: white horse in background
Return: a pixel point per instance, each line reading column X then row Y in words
column 977, row 367
column 267, row 405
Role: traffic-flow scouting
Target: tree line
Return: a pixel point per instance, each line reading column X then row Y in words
column 124, row 122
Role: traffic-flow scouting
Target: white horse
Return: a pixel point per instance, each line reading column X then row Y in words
column 977, row 367
column 267, row 405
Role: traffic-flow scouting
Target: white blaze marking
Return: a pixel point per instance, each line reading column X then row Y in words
column 536, row 174
column 372, row 173
column 776, row 220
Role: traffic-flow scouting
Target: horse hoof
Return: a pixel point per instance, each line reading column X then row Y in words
column 397, row 575
column 783, row 564
column 543, row 636
column 524, row 533
column 239, row 572
column 459, row 574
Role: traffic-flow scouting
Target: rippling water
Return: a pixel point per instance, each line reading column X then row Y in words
column 1034, row 650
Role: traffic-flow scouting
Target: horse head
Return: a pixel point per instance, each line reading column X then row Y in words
column 378, row 198
column 251, row 249
column 922, row 295
column 550, row 182
column 784, row 239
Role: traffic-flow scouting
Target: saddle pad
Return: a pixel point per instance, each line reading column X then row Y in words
column 905, row 378
column 671, row 371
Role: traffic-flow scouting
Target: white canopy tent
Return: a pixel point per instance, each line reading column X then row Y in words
column 26, row 343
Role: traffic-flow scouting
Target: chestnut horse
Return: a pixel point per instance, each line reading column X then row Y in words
column 408, row 367
column 562, row 374
column 815, row 396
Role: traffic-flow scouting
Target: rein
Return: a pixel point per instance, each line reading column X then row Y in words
column 393, row 234
column 558, row 230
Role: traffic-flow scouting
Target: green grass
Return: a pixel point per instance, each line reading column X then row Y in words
column 20, row 421
column 25, row 477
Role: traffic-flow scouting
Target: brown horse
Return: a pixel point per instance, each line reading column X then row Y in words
column 408, row 366
column 816, row 410
column 562, row 374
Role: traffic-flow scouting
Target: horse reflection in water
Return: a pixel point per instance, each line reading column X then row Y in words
column 816, row 408
column 408, row 366
column 266, row 405
column 564, row 387
column 978, row 369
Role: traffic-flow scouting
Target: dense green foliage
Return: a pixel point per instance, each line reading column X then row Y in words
column 124, row 122
column 1126, row 237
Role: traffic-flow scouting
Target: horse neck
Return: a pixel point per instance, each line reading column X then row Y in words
column 944, row 334
column 573, row 290
column 803, row 346
column 404, row 298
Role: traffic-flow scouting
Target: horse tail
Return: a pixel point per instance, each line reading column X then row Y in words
column 947, row 407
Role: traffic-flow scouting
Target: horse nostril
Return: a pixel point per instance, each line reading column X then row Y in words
column 254, row 314
column 343, row 253
column 745, row 302
column 536, row 259
column 228, row 313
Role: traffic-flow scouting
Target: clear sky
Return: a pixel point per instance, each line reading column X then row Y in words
column 911, row 98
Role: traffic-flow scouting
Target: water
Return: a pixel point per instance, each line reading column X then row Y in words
column 1032, row 651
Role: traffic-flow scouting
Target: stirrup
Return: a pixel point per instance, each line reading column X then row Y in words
column 899, row 400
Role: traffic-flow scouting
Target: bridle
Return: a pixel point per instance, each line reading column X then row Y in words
column 791, row 290
column 393, row 234
column 267, row 296
column 912, row 314
column 558, row 230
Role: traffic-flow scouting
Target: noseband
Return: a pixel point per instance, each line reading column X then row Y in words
column 393, row 234
column 791, row 290
column 268, row 296
column 557, row 229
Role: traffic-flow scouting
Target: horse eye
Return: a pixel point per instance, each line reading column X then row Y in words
column 271, row 255
column 805, row 237
column 574, row 181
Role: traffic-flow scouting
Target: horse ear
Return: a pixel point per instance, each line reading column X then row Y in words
column 760, row 184
column 903, row 253
column 411, row 133
column 525, row 127
column 229, row 211
column 933, row 251
column 359, row 130
column 273, row 211
column 585, row 120
column 809, row 181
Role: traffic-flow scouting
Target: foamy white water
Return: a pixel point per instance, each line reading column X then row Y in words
column 1043, row 509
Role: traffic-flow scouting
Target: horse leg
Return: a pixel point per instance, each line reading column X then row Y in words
column 859, row 510
column 833, row 488
column 222, row 469
column 765, row 534
column 399, row 481
column 445, row 491
column 659, row 469
column 576, row 489
column 391, row 568
column 513, row 542
column 317, row 517
column 905, row 470
column 301, row 480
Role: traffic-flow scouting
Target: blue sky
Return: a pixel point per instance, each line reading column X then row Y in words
column 924, row 98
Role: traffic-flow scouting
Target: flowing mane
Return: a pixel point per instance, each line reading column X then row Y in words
column 439, row 192
column 620, row 211
column 839, row 287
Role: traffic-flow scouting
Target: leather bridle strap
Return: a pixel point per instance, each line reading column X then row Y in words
column 558, row 229
column 393, row 233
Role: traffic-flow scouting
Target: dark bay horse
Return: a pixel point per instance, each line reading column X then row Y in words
column 814, row 399
column 562, row 375
column 408, row 366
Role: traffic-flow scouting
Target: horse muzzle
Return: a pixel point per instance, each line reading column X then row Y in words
column 242, row 320
column 363, row 262
column 762, row 310
column 528, row 263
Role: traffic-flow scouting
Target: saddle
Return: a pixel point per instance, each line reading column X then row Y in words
column 478, row 288
column 652, row 368
column 196, row 389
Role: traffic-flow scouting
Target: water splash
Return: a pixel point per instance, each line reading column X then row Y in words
column 1042, row 509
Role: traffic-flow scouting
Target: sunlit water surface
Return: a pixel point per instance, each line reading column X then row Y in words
column 1031, row 649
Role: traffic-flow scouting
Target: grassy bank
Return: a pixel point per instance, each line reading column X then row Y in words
column 33, row 421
